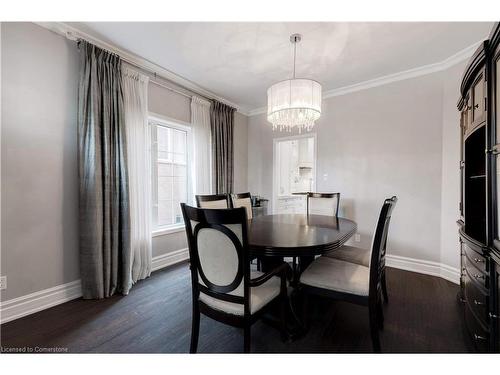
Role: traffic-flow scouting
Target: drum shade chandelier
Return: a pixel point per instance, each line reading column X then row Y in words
column 294, row 103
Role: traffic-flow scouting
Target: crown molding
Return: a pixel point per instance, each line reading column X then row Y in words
column 447, row 63
column 73, row 33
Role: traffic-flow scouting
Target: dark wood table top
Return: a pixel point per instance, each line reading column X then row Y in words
column 290, row 235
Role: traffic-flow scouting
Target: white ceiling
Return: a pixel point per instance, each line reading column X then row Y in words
column 238, row 61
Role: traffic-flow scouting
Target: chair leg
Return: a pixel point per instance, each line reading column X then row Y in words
column 384, row 288
column 246, row 337
column 305, row 306
column 283, row 306
column 195, row 329
column 372, row 311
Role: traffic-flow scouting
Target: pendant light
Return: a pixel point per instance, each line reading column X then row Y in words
column 294, row 103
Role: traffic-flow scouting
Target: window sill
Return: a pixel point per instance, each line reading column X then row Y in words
column 169, row 230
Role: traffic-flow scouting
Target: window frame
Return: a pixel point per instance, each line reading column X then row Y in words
column 164, row 121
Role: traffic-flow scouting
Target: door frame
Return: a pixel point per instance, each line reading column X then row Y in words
column 275, row 160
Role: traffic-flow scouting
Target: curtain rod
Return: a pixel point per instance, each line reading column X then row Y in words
column 143, row 68
column 159, row 83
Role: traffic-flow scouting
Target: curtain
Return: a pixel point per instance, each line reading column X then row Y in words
column 105, row 260
column 200, row 121
column 221, row 121
column 135, row 94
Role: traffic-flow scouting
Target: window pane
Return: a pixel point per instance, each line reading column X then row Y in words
column 165, row 188
column 179, row 170
column 165, row 216
column 179, row 189
column 179, row 146
column 171, row 176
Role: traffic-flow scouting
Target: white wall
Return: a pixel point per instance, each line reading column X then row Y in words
column 450, row 192
column 399, row 138
column 39, row 159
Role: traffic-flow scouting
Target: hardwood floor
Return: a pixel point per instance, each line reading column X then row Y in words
column 422, row 316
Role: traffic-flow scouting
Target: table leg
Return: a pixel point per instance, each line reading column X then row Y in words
column 270, row 263
column 294, row 324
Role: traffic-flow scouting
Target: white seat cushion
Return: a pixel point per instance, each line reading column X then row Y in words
column 259, row 296
column 351, row 254
column 337, row 275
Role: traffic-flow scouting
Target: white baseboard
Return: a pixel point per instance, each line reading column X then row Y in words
column 31, row 303
column 424, row 266
column 25, row 305
column 165, row 260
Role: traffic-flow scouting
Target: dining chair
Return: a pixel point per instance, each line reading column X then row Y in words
column 323, row 204
column 319, row 204
column 350, row 282
column 358, row 255
column 243, row 200
column 223, row 287
column 213, row 201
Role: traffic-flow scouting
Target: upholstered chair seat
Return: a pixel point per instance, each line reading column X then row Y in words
column 260, row 296
column 351, row 254
column 337, row 275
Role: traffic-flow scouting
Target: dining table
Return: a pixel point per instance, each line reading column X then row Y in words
column 274, row 237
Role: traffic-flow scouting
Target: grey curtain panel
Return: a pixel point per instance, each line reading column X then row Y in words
column 221, row 123
column 105, row 255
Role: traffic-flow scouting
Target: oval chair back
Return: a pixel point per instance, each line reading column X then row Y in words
column 213, row 201
column 323, row 204
column 218, row 252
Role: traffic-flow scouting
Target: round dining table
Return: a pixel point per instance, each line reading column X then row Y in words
column 298, row 235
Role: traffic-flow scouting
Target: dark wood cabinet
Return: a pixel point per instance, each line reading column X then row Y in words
column 479, row 222
column 494, row 313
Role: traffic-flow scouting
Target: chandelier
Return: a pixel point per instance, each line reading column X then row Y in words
column 294, row 103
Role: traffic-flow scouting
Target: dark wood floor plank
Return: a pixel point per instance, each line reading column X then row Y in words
column 422, row 316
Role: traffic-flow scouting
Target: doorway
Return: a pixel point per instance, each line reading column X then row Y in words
column 294, row 172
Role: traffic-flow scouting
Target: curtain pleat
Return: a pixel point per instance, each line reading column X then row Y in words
column 104, row 196
column 200, row 121
column 135, row 98
column 221, row 121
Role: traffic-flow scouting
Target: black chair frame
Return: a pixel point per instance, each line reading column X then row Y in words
column 217, row 219
column 215, row 197
column 377, row 278
column 241, row 196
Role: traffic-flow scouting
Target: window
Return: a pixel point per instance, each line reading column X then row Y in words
column 170, row 172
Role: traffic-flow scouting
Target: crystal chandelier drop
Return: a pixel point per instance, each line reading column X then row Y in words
column 294, row 103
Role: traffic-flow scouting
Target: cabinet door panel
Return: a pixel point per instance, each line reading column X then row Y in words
column 495, row 310
column 496, row 167
column 478, row 95
column 496, row 140
column 496, row 67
